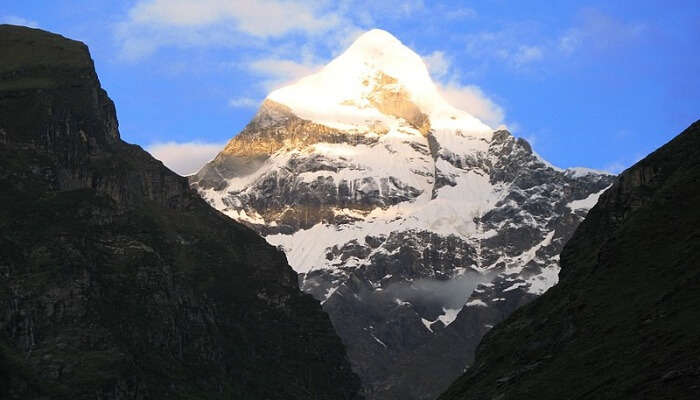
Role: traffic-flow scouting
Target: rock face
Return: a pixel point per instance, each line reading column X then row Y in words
column 117, row 281
column 416, row 225
column 622, row 322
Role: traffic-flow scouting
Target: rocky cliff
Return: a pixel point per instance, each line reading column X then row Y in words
column 416, row 225
column 117, row 281
column 623, row 320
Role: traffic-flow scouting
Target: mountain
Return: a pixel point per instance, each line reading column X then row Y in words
column 622, row 323
column 117, row 281
column 416, row 225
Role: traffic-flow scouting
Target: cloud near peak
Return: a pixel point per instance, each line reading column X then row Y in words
column 151, row 24
column 469, row 98
column 280, row 72
column 473, row 100
column 185, row 158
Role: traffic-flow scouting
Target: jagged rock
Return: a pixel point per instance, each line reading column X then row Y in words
column 622, row 322
column 394, row 206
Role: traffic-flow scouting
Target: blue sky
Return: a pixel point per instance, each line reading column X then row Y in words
column 597, row 83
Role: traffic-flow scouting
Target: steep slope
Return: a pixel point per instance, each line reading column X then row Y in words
column 117, row 281
column 393, row 206
column 623, row 320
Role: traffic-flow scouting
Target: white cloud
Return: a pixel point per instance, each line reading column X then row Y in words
column 409, row 7
column 373, row 12
column 527, row 54
column 599, row 30
column 151, row 24
column 243, row 102
column 570, row 41
column 281, row 72
column 438, row 64
column 461, row 13
column 253, row 24
column 261, row 18
column 472, row 99
column 15, row 20
column 517, row 46
column 469, row 98
column 527, row 45
column 185, row 158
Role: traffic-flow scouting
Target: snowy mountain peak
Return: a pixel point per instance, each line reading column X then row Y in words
column 400, row 212
column 377, row 79
column 377, row 41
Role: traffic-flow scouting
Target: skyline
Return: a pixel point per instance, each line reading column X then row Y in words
column 598, row 87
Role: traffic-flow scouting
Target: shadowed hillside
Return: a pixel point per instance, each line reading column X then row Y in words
column 623, row 322
column 116, row 280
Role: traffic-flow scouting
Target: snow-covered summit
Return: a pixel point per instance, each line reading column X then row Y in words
column 416, row 225
column 349, row 92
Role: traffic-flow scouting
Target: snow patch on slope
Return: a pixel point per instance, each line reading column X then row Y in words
column 588, row 202
column 578, row 172
column 451, row 213
column 476, row 303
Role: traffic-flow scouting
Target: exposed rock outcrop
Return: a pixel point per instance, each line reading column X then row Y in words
column 417, row 226
column 622, row 322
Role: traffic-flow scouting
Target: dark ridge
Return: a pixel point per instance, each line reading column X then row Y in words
column 623, row 321
column 117, row 281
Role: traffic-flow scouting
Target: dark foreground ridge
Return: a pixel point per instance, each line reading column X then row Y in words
column 623, row 322
column 116, row 280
